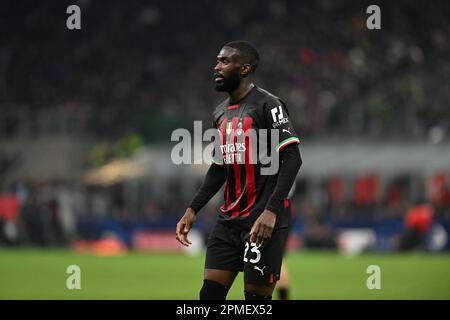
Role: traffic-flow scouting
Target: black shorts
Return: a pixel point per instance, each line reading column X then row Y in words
column 229, row 248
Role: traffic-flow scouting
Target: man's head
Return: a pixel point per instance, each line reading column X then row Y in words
column 236, row 60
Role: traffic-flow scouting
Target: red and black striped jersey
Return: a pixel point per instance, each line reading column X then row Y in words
column 247, row 189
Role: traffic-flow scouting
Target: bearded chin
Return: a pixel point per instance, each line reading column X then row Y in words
column 229, row 84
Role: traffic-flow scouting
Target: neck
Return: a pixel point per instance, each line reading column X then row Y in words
column 241, row 91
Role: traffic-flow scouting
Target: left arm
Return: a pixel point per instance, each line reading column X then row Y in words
column 290, row 163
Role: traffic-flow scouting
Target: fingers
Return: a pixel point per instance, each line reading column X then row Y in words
column 262, row 238
column 254, row 232
column 267, row 235
column 256, row 236
column 180, row 226
column 260, row 234
column 187, row 226
column 181, row 233
column 185, row 238
column 184, row 226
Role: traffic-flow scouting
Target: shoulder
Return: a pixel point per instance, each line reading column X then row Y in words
column 268, row 99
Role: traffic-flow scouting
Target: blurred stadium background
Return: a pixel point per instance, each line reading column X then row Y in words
column 86, row 118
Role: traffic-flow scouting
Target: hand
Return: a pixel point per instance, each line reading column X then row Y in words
column 263, row 228
column 184, row 226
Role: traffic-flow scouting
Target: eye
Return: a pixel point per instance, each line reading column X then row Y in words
column 223, row 61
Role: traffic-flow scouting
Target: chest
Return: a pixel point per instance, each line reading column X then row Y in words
column 241, row 117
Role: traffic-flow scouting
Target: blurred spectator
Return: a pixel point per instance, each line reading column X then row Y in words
column 148, row 66
column 418, row 222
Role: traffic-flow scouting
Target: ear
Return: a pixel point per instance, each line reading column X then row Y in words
column 246, row 69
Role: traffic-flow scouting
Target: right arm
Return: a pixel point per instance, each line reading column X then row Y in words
column 215, row 178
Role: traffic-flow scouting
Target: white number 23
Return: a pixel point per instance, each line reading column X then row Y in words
column 254, row 249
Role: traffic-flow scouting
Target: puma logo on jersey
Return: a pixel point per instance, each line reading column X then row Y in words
column 286, row 130
column 260, row 270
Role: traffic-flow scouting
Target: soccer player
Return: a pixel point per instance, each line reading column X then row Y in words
column 252, row 227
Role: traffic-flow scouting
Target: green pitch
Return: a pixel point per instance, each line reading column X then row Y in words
column 41, row 274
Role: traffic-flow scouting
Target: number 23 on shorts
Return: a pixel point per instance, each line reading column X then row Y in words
column 254, row 249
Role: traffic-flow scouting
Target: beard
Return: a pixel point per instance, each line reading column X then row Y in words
column 230, row 83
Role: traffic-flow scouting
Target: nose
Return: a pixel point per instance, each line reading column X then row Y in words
column 217, row 67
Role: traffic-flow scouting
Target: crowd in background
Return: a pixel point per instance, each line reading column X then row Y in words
column 52, row 214
column 147, row 68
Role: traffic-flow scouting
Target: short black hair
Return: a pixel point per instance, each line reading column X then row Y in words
column 247, row 51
